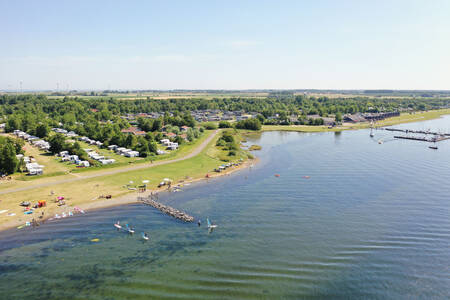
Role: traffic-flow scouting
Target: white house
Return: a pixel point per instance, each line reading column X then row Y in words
column 172, row 146
column 165, row 141
column 34, row 169
column 63, row 153
column 131, row 154
column 84, row 163
column 107, row 161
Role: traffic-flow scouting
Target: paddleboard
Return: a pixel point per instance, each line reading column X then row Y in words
column 95, row 240
column 117, row 226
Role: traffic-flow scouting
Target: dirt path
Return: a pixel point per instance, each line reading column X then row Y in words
column 117, row 171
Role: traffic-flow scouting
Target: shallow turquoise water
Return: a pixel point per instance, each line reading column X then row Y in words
column 371, row 222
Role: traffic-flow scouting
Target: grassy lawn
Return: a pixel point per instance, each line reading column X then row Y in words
column 56, row 170
column 87, row 191
column 403, row 118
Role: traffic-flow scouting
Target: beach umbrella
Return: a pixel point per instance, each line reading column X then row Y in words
column 145, row 181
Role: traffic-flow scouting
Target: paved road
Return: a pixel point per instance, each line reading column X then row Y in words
column 115, row 171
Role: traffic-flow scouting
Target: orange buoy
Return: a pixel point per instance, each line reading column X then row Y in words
column 277, row 175
column 306, row 177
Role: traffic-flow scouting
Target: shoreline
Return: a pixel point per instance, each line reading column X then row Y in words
column 402, row 119
column 128, row 197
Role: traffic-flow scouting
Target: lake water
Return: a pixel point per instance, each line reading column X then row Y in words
column 372, row 221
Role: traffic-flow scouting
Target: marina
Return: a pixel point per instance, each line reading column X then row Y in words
column 419, row 135
column 423, row 139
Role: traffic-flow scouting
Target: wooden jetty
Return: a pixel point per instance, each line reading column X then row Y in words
column 423, row 139
column 417, row 131
column 177, row 214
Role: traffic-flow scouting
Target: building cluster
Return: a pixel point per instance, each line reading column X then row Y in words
column 65, row 156
column 153, row 115
column 367, row 117
column 69, row 134
column 207, row 115
column 33, row 168
column 215, row 115
column 72, row 134
column 123, row 151
column 33, row 140
column 90, row 141
column 169, row 145
column 98, row 157
column 134, row 130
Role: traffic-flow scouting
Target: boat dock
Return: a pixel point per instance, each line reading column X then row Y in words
column 417, row 131
column 173, row 212
column 420, row 135
column 423, row 139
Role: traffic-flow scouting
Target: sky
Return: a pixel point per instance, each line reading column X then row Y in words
column 85, row 45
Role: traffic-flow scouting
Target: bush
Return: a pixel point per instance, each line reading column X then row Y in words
column 221, row 143
column 232, row 153
column 225, row 124
column 250, row 124
column 254, row 147
column 210, row 126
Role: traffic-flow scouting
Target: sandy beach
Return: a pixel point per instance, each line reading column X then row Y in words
column 126, row 198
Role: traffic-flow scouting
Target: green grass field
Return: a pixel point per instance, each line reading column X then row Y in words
column 87, row 191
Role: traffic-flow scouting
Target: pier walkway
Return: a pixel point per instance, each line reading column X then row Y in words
column 173, row 212
column 417, row 131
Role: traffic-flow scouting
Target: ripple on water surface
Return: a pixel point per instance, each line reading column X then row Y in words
column 347, row 218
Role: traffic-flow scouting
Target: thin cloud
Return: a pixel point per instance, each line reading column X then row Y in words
column 241, row 43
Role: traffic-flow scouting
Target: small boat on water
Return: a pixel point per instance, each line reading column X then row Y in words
column 145, row 236
column 129, row 229
column 117, row 225
column 433, row 147
column 210, row 225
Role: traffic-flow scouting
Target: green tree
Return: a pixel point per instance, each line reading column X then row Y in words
column 42, row 130
column 157, row 125
column 224, row 124
column 130, row 141
column 57, row 143
column 8, row 159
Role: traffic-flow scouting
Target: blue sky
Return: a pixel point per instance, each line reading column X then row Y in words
column 225, row 44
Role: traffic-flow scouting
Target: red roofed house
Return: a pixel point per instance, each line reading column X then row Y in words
column 171, row 135
column 140, row 133
column 130, row 130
